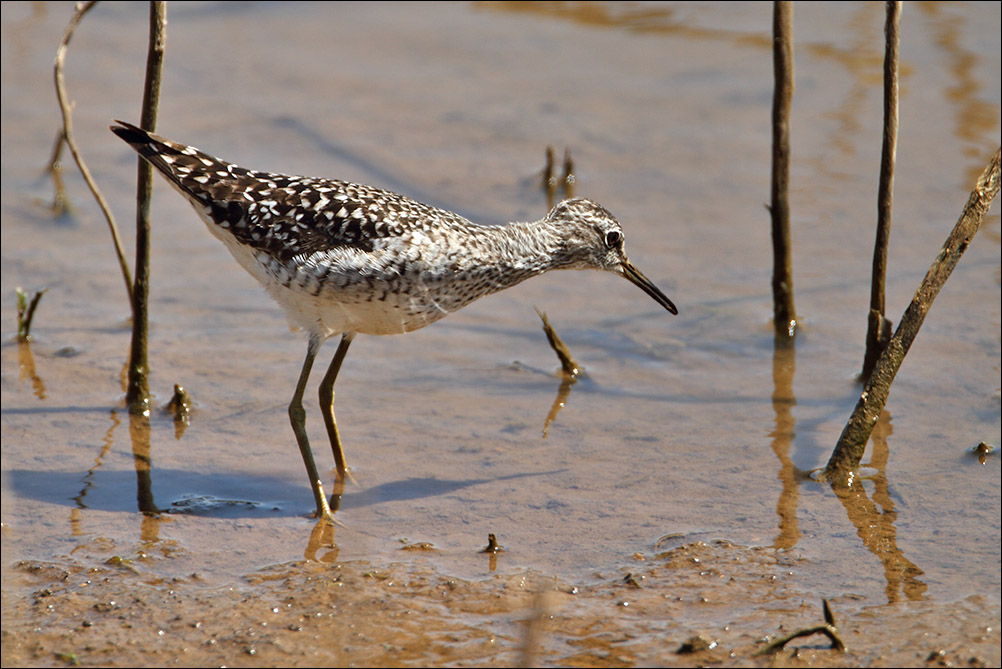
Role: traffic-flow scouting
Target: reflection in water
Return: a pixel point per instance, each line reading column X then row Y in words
column 88, row 479
column 322, row 535
column 149, row 529
column 605, row 14
column 876, row 527
column 26, row 361
column 974, row 117
column 863, row 60
column 139, row 429
column 784, row 364
column 559, row 402
column 139, row 435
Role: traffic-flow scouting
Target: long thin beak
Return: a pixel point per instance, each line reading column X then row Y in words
column 636, row 277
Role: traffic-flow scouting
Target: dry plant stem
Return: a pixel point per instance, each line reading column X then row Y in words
column 878, row 327
column 137, row 394
column 851, row 444
column 784, row 314
column 568, row 364
column 66, row 108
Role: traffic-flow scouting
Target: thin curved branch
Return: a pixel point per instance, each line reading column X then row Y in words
column 66, row 108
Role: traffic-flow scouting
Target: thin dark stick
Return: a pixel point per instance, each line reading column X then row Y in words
column 66, row 108
column 784, row 313
column 137, row 395
column 851, row 444
column 878, row 331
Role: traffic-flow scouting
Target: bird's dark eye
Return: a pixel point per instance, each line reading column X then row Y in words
column 613, row 239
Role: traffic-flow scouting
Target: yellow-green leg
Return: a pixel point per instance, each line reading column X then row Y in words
column 327, row 404
column 297, row 415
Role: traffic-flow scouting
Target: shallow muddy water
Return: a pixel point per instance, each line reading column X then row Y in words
column 669, row 497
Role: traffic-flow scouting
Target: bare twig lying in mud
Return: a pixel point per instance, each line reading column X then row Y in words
column 851, row 444
column 828, row 629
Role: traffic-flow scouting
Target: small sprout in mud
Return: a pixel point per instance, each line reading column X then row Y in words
column 695, row 644
column 492, row 545
column 179, row 407
column 633, row 580
column 119, row 561
column 180, row 403
column 69, row 658
column 983, row 450
column 26, row 312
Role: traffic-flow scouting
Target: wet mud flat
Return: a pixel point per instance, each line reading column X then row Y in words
column 696, row 430
column 697, row 604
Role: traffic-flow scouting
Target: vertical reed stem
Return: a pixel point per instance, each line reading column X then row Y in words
column 137, row 395
column 784, row 313
column 878, row 327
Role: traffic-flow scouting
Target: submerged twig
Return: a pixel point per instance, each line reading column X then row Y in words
column 878, row 331
column 66, row 108
column 851, row 444
column 784, row 313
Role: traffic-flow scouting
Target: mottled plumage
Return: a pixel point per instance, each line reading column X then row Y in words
column 343, row 258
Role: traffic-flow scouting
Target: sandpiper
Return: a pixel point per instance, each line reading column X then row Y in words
column 342, row 258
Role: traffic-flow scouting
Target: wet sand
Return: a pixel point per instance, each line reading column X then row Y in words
column 679, row 461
